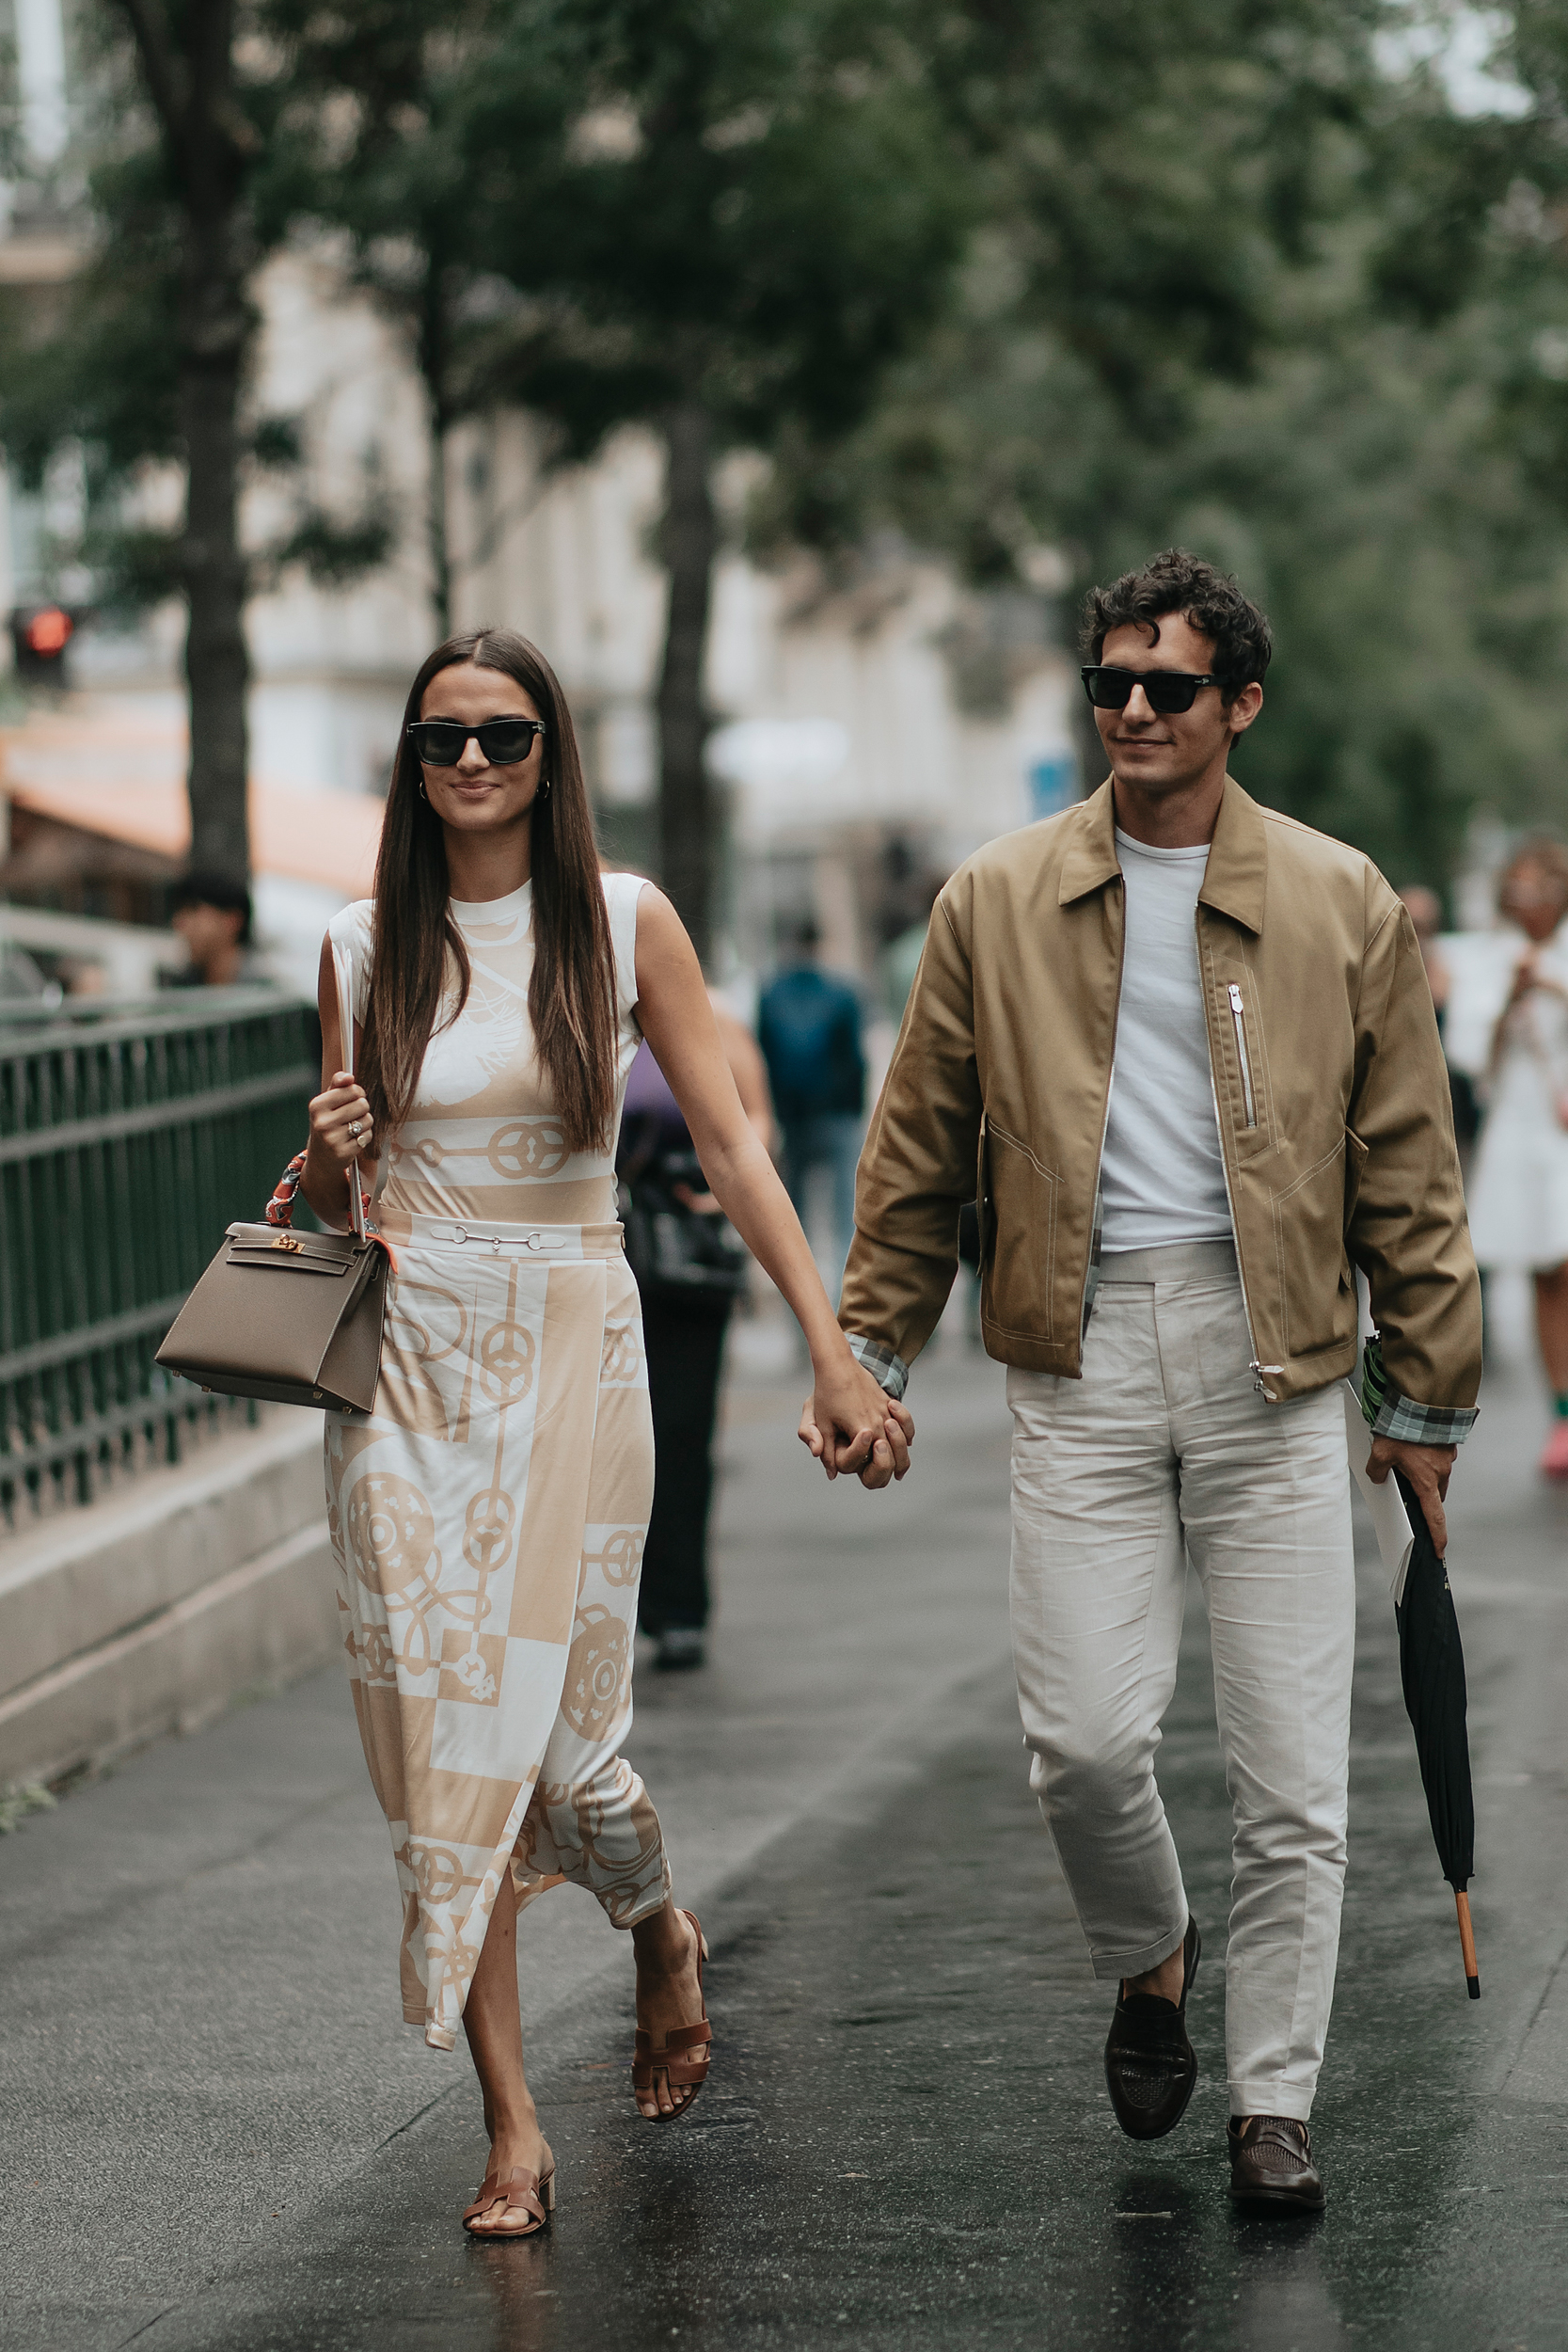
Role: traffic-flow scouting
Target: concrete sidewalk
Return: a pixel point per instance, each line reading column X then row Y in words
column 218, row 2138
column 199, row 1954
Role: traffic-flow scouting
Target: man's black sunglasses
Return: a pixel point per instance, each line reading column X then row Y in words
column 1166, row 690
column 439, row 742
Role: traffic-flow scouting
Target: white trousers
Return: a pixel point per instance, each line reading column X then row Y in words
column 1164, row 1443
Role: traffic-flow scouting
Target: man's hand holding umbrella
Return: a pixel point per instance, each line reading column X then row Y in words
column 1427, row 1469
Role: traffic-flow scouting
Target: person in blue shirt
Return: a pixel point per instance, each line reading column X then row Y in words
column 809, row 1028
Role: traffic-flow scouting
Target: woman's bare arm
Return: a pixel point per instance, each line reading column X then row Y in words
column 332, row 1150
column 865, row 1431
column 750, row 1073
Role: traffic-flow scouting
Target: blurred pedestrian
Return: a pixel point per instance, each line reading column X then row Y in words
column 1519, row 1192
column 809, row 1028
column 488, row 1517
column 691, row 1268
column 900, row 958
column 1192, row 1042
column 211, row 913
column 1425, row 910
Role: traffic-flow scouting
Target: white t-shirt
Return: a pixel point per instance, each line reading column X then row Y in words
column 1162, row 1176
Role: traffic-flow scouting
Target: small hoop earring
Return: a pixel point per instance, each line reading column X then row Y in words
column 544, row 789
column 424, row 794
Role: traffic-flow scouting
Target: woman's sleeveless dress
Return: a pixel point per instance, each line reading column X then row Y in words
column 1518, row 1202
column 488, row 1518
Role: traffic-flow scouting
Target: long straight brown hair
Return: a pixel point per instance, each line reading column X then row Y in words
column 416, row 949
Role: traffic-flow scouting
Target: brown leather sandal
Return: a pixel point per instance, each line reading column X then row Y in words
column 682, row 2057
column 525, row 2193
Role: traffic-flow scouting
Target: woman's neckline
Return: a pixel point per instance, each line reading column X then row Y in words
column 488, row 910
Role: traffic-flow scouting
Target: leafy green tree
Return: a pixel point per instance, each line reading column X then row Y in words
column 151, row 356
column 1240, row 289
column 743, row 211
column 374, row 142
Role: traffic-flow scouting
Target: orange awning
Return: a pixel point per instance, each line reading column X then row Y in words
column 125, row 781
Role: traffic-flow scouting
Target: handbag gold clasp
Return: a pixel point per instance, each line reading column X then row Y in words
column 287, row 1240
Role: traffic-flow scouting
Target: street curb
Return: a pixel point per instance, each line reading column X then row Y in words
column 151, row 1611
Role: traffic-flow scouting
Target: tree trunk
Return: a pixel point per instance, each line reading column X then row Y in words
column 688, row 806
column 188, row 64
column 432, row 349
column 217, row 662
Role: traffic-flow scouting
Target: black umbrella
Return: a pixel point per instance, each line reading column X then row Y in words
column 1432, row 1668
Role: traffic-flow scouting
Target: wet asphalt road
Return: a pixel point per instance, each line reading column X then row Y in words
column 907, row 2139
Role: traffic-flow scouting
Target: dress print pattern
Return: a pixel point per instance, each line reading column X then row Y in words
column 488, row 1519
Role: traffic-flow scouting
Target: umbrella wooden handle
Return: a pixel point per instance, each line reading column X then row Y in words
column 1467, row 1943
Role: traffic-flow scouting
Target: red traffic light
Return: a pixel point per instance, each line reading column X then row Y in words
column 49, row 631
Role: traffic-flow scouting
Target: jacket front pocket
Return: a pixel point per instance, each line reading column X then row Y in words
column 1022, row 1236
column 1317, row 1306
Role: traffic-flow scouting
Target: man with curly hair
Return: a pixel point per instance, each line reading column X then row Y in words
column 1184, row 1050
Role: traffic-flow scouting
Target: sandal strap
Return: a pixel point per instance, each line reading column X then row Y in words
column 678, row 2072
column 520, row 2188
column 684, row 2058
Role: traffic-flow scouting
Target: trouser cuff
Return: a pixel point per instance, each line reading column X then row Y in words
column 1265, row 2098
column 1137, row 1962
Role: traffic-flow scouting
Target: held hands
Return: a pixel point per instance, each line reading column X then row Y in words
column 851, row 1425
column 341, row 1125
column 1428, row 1468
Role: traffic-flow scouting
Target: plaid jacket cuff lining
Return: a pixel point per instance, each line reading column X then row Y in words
column 1409, row 1423
column 890, row 1371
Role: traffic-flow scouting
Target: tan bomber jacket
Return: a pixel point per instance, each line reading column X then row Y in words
column 1329, row 1084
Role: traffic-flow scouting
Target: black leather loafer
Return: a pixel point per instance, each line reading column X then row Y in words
column 1149, row 2063
column 1271, row 2164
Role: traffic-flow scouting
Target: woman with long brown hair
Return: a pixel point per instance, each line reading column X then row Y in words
column 488, row 1517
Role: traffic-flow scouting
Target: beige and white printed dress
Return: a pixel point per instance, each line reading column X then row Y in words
column 488, row 1518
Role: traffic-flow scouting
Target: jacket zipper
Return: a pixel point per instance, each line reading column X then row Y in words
column 1242, row 1056
column 1255, row 1368
column 1105, row 1129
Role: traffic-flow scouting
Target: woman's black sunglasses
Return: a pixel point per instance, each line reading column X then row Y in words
column 439, row 742
column 1166, row 690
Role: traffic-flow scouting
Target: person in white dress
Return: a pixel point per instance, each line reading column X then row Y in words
column 488, row 1516
column 1508, row 1026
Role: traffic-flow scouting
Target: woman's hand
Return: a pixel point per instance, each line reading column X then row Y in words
column 341, row 1125
column 850, row 1424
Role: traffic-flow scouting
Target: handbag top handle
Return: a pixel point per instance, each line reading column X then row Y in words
column 343, row 964
column 281, row 1208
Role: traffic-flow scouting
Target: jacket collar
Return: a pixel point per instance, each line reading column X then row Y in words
column 1233, row 880
column 1091, row 856
column 1236, row 876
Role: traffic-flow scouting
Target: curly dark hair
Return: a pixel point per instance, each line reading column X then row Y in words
column 1175, row 581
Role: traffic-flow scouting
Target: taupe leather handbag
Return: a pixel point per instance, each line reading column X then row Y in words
column 291, row 1317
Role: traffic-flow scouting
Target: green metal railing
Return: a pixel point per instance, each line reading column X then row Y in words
column 130, row 1136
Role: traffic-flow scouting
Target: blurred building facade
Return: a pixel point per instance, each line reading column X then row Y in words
column 870, row 729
